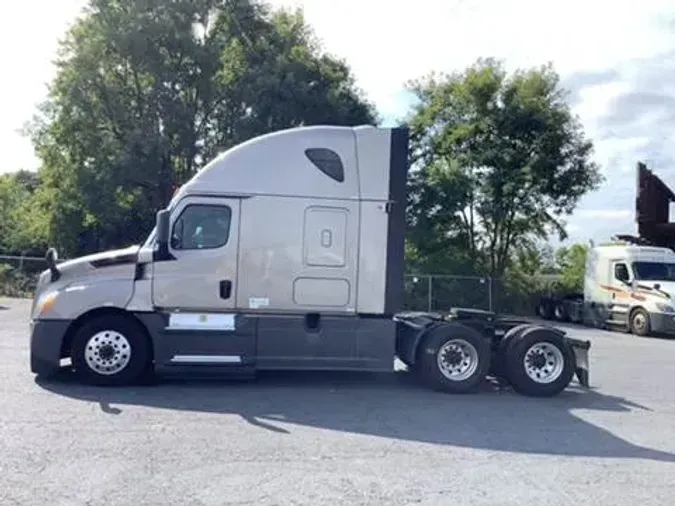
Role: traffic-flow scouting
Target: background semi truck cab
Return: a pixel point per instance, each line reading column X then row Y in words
column 631, row 286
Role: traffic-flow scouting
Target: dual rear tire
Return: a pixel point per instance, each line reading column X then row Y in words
column 536, row 361
column 454, row 358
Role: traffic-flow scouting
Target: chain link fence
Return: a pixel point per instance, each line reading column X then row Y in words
column 19, row 274
column 424, row 292
column 429, row 292
column 433, row 292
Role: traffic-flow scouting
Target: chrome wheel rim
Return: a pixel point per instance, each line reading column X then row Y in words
column 639, row 321
column 457, row 360
column 107, row 352
column 544, row 363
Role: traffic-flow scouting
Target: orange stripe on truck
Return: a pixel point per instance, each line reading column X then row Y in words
column 639, row 294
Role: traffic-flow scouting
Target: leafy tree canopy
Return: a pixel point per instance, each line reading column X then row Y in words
column 499, row 159
column 149, row 90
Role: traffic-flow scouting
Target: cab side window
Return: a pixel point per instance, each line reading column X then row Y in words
column 201, row 226
column 621, row 272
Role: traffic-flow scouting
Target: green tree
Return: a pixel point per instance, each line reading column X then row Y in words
column 148, row 90
column 437, row 197
column 21, row 225
column 572, row 266
column 499, row 158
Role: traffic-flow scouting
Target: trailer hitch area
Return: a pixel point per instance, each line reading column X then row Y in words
column 581, row 360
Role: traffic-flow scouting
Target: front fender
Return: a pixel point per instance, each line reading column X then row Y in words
column 69, row 302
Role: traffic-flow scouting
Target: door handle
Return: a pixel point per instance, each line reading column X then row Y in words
column 225, row 289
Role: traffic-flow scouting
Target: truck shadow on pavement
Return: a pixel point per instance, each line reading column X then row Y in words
column 391, row 406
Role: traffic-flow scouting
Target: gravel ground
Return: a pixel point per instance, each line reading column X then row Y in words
column 338, row 439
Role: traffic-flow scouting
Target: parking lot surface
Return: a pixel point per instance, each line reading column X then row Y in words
column 320, row 439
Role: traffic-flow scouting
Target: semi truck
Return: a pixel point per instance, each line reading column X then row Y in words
column 285, row 252
column 629, row 282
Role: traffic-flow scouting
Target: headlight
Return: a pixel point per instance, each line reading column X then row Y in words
column 46, row 303
column 665, row 308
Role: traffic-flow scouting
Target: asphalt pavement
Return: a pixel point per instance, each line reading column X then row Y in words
column 335, row 439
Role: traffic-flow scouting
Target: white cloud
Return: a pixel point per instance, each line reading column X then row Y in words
column 607, row 52
column 605, row 214
column 28, row 41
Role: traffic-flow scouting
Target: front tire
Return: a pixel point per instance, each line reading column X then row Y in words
column 110, row 350
column 454, row 359
column 639, row 322
column 539, row 363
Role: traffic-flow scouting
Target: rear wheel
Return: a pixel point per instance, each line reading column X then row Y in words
column 539, row 363
column 544, row 309
column 500, row 367
column 110, row 350
column 560, row 312
column 454, row 359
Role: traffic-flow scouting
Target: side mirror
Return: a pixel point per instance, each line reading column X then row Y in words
column 163, row 233
column 51, row 257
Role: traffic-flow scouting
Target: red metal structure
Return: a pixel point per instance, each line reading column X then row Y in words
column 652, row 209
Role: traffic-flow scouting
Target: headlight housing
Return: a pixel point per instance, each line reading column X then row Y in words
column 665, row 308
column 45, row 303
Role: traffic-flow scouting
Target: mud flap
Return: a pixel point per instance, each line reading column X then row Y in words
column 581, row 367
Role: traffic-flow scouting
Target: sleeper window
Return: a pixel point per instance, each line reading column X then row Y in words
column 201, row 226
column 328, row 162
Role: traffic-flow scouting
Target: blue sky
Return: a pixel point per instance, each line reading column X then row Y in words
column 616, row 59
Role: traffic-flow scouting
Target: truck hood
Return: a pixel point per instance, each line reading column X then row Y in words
column 668, row 287
column 105, row 259
column 89, row 276
column 112, row 264
column 665, row 286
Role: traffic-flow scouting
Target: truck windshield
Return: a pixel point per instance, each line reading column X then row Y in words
column 654, row 271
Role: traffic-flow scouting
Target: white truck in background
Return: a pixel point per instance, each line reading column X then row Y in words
column 629, row 283
column 628, row 286
column 285, row 252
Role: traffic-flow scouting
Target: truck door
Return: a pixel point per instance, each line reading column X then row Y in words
column 620, row 290
column 201, row 277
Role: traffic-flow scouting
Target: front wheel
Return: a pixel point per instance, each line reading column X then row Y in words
column 454, row 359
column 110, row 350
column 539, row 363
column 639, row 322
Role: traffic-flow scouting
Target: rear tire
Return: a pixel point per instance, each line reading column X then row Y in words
column 544, row 309
column 560, row 312
column 539, row 363
column 500, row 366
column 454, row 359
column 110, row 350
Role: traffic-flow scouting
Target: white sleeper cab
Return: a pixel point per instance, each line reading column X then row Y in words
column 284, row 252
